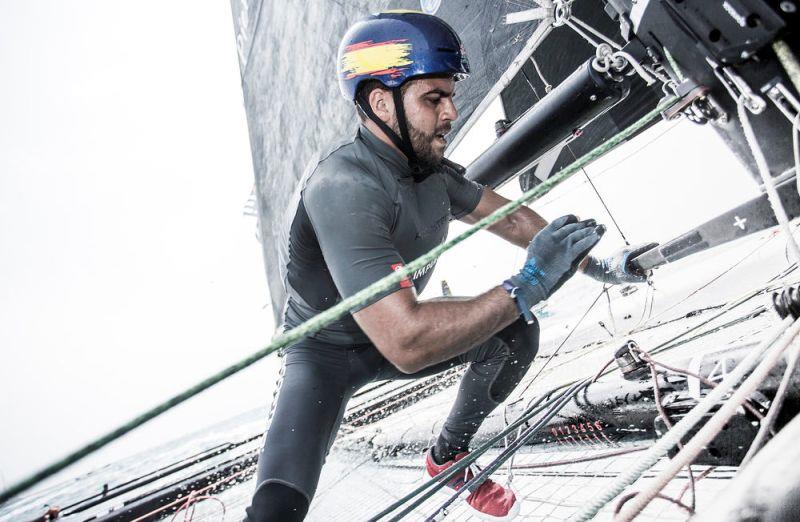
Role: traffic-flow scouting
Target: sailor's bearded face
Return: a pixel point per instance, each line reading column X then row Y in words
column 429, row 112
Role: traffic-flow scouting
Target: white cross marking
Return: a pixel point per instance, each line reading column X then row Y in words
column 740, row 222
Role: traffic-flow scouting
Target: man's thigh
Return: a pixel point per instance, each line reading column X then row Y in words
column 311, row 402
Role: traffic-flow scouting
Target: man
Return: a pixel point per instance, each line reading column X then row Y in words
column 384, row 198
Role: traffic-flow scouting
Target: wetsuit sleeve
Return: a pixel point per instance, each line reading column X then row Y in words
column 352, row 217
column 464, row 194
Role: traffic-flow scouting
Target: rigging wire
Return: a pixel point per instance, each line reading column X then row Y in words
column 565, row 192
column 572, row 153
column 595, row 32
column 439, row 481
column 547, row 85
column 478, row 479
column 563, row 342
column 649, row 304
column 714, row 279
column 579, row 460
column 681, row 338
column 589, row 39
column 605, row 206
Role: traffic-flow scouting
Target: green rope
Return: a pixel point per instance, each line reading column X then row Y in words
column 675, row 67
column 323, row 319
column 789, row 62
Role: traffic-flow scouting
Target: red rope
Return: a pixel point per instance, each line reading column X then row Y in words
column 191, row 502
column 194, row 492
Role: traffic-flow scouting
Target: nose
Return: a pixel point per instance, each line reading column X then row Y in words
column 449, row 112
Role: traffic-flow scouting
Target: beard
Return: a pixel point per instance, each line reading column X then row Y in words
column 423, row 144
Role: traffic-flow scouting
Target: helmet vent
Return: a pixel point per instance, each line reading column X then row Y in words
column 446, row 50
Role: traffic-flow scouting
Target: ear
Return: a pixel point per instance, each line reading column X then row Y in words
column 382, row 104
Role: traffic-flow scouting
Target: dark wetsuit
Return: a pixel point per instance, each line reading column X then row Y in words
column 357, row 215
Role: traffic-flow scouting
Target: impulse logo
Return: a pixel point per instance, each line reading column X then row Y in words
column 406, row 283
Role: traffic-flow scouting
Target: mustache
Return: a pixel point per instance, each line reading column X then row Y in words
column 444, row 130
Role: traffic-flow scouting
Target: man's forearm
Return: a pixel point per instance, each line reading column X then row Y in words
column 520, row 227
column 448, row 327
column 526, row 223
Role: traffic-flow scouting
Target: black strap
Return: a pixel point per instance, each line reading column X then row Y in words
column 456, row 171
column 402, row 142
column 400, row 111
column 365, row 106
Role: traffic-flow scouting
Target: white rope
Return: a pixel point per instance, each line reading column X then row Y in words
column 684, row 426
column 562, row 11
column 578, row 30
column 711, row 429
column 604, row 59
column 547, row 85
column 640, row 70
column 796, row 147
column 597, row 33
column 769, row 185
column 609, row 53
column 774, row 408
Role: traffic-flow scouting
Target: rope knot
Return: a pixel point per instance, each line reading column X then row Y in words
column 603, row 59
column 562, row 12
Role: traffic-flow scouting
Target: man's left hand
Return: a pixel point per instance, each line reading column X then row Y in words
column 617, row 268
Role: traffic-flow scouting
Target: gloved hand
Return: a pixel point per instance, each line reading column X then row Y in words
column 553, row 257
column 617, row 268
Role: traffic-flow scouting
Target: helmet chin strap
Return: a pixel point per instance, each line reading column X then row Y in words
column 403, row 142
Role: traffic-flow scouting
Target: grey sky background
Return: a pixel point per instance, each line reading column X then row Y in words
column 127, row 270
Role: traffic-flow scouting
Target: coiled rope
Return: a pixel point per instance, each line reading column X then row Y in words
column 323, row 319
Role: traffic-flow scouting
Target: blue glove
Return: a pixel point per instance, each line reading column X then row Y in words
column 617, row 268
column 553, row 257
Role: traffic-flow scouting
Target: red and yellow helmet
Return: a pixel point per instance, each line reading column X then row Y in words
column 395, row 46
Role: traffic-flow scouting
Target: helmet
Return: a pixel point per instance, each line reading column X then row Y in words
column 395, row 46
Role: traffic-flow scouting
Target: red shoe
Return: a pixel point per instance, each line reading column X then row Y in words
column 490, row 502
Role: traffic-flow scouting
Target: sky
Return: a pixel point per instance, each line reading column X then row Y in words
column 128, row 271
column 127, row 268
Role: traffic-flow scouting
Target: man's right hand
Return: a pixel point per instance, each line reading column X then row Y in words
column 554, row 255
